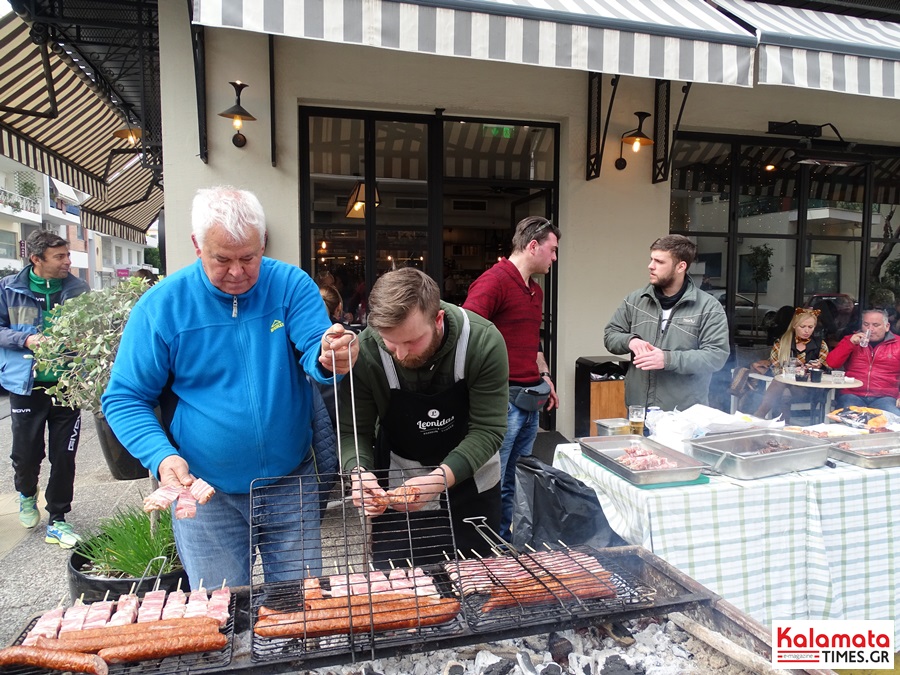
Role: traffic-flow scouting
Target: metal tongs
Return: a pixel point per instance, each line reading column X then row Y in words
column 337, row 417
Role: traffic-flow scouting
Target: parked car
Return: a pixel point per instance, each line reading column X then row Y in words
column 743, row 311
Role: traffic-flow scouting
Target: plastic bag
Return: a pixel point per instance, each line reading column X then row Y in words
column 552, row 506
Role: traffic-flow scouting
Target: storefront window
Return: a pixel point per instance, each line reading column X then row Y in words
column 498, row 151
column 701, row 187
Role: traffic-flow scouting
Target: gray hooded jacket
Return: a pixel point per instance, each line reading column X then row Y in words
column 695, row 343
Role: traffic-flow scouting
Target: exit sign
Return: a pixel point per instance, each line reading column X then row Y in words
column 497, row 131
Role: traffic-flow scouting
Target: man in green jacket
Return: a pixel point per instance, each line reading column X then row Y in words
column 430, row 390
column 676, row 333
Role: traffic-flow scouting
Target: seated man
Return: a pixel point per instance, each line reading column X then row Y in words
column 871, row 355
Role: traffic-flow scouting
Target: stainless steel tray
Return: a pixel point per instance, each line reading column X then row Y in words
column 605, row 450
column 864, row 450
column 739, row 454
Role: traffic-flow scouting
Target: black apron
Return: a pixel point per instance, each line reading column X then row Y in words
column 416, row 434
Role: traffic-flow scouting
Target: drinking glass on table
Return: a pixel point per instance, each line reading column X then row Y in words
column 789, row 370
column 636, row 416
column 837, row 376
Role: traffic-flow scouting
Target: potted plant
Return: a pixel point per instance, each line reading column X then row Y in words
column 125, row 548
column 80, row 344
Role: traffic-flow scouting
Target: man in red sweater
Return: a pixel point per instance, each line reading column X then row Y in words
column 876, row 363
column 507, row 295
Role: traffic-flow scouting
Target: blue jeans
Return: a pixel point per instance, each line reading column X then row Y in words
column 216, row 545
column 521, row 430
column 886, row 403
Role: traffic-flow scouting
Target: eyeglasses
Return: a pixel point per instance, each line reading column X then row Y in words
column 540, row 228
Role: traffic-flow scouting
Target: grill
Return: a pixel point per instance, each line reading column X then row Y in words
column 184, row 664
column 398, row 581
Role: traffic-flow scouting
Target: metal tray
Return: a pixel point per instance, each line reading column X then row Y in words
column 861, row 450
column 738, row 454
column 605, row 450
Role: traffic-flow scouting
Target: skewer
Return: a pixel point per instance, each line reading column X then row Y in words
column 80, row 600
column 106, row 596
column 131, row 590
column 461, row 554
column 178, row 587
column 564, row 544
column 477, row 555
column 393, row 567
column 201, row 585
column 223, row 580
column 409, row 563
column 530, row 548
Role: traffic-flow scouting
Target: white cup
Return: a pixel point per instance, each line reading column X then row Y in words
column 837, row 376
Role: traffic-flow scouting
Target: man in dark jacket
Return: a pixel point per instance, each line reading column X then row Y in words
column 871, row 355
column 676, row 333
column 26, row 299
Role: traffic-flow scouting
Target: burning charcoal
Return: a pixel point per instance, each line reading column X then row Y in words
column 616, row 665
column 559, row 648
column 501, row 667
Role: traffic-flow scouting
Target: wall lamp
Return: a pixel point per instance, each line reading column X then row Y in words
column 238, row 114
column 636, row 138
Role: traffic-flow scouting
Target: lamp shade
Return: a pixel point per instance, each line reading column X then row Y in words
column 356, row 204
column 129, row 133
column 636, row 137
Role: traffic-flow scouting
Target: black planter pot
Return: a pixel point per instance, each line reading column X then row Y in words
column 122, row 465
column 95, row 588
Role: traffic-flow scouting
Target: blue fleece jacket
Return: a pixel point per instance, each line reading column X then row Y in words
column 243, row 407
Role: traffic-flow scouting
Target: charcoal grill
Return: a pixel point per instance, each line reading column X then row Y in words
column 573, row 585
column 185, row 664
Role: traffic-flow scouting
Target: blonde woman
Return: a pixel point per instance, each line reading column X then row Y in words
column 798, row 342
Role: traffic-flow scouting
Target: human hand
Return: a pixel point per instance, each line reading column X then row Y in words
column 553, row 401
column 33, row 340
column 418, row 491
column 856, row 338
column 173, row 470
column 339, row 349
column 652, row 359
column 639, row 346
column 367, row 493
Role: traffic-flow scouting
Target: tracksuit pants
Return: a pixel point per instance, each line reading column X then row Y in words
column 30, row 415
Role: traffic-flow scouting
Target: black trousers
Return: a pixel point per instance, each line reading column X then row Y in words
column 30, row 416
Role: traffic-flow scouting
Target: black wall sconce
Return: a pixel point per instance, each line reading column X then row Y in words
column 636, row 138
column 238, row 114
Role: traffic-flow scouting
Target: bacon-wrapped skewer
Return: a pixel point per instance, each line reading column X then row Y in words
column 126, row 609
column 161, row 498
column 151, row 606
column 47, row 626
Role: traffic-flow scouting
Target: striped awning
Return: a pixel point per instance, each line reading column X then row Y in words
column 72, row 140
column 819, row 50
column 684, row 40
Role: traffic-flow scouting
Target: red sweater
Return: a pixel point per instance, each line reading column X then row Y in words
column 878, row 366
column 501, row 296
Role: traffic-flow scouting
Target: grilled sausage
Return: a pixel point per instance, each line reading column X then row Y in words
column 549, row 590
column 75, row 662
column 74, row 642
column 199, row 623
column 335, row 621
column 163, row 647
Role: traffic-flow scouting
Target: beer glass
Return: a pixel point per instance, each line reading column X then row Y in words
column 636, row 415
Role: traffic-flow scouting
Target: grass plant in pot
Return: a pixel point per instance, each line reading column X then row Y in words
column 124, row 548
column 80, row 344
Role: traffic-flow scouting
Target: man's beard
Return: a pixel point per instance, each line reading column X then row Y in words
column 423, row 358
column 663, row 282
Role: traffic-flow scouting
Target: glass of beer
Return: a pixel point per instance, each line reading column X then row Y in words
column 636, row 415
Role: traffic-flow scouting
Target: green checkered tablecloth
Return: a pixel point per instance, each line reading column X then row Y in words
column 819, row 544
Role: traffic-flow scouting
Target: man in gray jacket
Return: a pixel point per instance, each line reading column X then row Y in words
column 676, row 333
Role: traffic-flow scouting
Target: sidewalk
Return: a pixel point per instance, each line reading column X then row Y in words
column 32, row 573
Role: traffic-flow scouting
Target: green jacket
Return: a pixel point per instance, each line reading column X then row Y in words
column 695, row 345
column 486, row 375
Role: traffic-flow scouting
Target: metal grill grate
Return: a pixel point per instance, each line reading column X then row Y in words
column 184, row 664
column 397, row 580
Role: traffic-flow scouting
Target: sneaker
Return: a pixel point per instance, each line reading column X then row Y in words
column 60, row 532
column 28, row 511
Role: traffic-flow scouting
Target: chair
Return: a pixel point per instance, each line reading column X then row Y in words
column 744, row 357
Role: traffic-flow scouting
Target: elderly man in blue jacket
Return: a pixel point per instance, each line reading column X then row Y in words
column 222, row 346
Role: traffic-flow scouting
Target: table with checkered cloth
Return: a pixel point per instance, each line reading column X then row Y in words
column 818, row 544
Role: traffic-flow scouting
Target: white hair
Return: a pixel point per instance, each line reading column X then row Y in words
column 237, row 212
